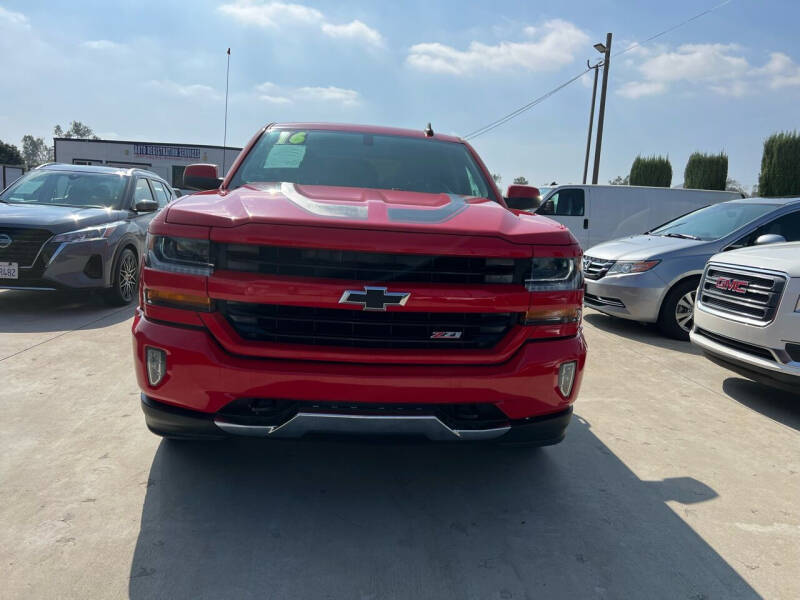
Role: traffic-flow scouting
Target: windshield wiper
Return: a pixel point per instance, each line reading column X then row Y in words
column 683, row 236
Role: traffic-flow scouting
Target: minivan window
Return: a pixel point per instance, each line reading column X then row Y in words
column 714, row 222
column 67, row 188
column 787, row 226
column 364, row 160
column 565, row 203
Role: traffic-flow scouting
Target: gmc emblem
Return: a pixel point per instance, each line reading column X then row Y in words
column 731, row 285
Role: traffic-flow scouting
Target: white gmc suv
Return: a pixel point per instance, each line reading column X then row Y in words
column 747, row 313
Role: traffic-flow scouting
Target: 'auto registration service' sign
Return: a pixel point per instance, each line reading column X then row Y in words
column 159, row 151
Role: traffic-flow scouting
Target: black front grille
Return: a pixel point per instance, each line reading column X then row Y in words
column 24, row 246
column 737, row 345
column 366, row 329
column 742, row 293
column 370, row 266
column 596, row 268
column 793, row 350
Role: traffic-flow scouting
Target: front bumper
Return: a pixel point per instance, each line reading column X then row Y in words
column 67, row 266
column 202, row 379
column 636, row 296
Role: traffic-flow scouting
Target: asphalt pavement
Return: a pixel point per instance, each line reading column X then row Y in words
column 677, row 479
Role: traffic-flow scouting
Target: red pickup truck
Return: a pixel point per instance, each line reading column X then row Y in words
column 357, row 280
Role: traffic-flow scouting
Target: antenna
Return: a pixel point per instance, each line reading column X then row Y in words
column 225, row 134
column 429, row 131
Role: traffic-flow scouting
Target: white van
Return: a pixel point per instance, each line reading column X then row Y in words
column 598, row 213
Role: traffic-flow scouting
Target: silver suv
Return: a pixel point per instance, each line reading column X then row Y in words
column 747, row 316
column 653, row 277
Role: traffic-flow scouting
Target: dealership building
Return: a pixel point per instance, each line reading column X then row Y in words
column 167, row 160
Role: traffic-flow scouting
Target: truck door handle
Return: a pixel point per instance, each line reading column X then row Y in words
column 586, row 223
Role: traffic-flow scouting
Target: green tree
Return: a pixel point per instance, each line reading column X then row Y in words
column 654, row 171
column 520, row 180
column 780, row 166
column 9, row 154
column 620, row 180
column 76, row 130
column 732, row 185
column 34, row 151
column 706, row 171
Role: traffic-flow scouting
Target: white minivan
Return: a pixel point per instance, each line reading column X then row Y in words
column 598, row 213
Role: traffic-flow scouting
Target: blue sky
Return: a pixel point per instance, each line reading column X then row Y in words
column 156, row 71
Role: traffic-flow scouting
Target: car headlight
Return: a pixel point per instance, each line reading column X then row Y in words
column 550, row 274
column 87, row 234
column 624, row 267
column 179, row 255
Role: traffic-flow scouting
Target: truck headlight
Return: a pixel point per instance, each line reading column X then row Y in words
column 179, row 255
column 552, row 274
column 624, row 267
column 87, row 234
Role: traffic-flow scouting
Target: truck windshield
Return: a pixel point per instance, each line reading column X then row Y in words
column 67, row 188
column 363, row 160
column 714, row 222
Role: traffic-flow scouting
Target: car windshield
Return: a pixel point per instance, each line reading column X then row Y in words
column 713, row 222
column 68, row 188
column 363, row 160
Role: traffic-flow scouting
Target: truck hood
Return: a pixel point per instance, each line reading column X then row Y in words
column 642, row 247
column 359, row 208
column 776, row 257
column 57, row 219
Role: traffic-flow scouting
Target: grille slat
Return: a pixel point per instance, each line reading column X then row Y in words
column 370, row 266
column 757, row 299
column 365, row 329
column 25, row 244
column 596, row 268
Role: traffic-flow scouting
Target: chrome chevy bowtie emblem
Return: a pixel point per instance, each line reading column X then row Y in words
column 374, row 298
column 5, row 241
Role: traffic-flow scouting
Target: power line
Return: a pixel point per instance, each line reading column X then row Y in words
column 502, row 120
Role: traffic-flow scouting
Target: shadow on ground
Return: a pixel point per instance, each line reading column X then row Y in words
column 23, row 311
column 314, row 519
column 646, row 333
column 778, row 405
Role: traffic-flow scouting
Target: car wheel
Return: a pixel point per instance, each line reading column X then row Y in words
column 125, row 280
column 677, row 312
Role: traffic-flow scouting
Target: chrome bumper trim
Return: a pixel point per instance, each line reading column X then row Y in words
column 428, row 426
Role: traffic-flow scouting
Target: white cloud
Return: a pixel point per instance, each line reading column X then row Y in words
column 101, row 45
column 637, row 89
column 719, row 68
column 194, row 90
column 555, row 45
column 276, row 94
column 280, row 14
column 14, row 18
column 270, row 14
column 355, row 30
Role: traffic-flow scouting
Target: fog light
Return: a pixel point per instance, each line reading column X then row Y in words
column 566, row 377
column 156, row 365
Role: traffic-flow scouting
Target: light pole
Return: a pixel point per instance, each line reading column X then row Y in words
column 591, row 120
column 606, row 50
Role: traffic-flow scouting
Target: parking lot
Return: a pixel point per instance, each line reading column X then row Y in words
column 676, row 480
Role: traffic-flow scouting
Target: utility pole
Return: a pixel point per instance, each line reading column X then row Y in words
column 598, row 145
column 225, row 134
column 591, row 121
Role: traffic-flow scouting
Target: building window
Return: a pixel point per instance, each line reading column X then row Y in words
column 177, row 175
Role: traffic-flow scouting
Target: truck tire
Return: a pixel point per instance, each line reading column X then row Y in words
column 124, row 279
column 677, row 311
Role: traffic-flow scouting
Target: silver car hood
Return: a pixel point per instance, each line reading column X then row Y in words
column 776, row 257
column 641, row 247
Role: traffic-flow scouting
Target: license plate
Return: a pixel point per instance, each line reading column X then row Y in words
column 9, row 270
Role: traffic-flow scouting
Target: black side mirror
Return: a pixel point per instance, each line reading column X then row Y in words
column 201, row 177
column 522, row 203
column 146, row 206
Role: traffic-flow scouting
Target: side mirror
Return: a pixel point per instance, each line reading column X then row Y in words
column 523, row 197
column 769, row 238
column 201, row 177
column 146, row 206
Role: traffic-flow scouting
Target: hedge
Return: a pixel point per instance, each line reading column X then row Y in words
column 706, row 171
column 780, row 166
column 653, row 171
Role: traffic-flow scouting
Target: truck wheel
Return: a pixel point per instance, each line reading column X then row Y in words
column 677, row 311
column 125, row 279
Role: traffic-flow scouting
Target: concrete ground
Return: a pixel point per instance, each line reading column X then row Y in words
column 677, row 480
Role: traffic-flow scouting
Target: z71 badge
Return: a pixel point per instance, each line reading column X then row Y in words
column 446, row 335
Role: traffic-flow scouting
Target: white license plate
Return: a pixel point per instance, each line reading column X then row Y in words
column 9, row 270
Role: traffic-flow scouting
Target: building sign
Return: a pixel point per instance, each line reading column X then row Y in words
column 159, row 151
